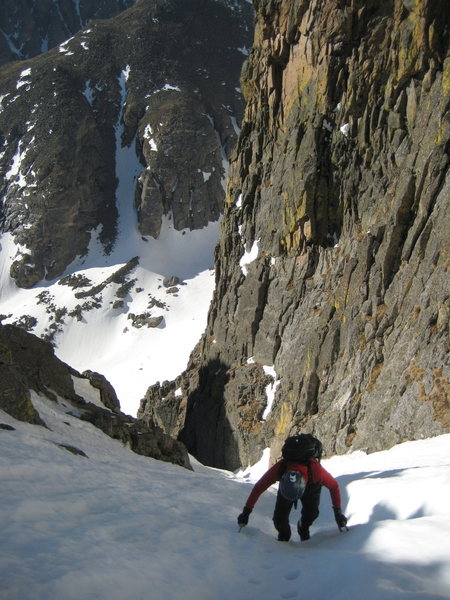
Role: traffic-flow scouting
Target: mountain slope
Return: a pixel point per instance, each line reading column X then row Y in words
column 30, row 27
column 160, row 81
column 29, row 368
column 114, row 524
column 114, row 315
column 115, row 151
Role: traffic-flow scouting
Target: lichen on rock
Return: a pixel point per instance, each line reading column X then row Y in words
column 341, row 173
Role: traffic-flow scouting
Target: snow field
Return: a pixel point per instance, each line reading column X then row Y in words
column 118, row 525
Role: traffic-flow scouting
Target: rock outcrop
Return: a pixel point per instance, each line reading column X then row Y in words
column 151, row 94
column 27, row 364
column 333, row 264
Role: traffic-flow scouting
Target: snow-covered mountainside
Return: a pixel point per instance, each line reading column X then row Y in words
column 158, row 85
column 133, row 314
column 112, row 524
column 113, row 157
column 126, row 324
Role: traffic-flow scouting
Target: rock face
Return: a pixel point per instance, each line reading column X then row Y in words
column 28, row 363
column 333, row 264
column 150, row 93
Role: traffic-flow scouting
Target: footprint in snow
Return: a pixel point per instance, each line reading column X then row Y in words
column 288, row 595
column 292, row 575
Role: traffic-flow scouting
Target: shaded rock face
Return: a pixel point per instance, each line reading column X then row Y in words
column 30, row 27
column 333, row 264
column 225, row 400
column 160, row 81
column 28, row 363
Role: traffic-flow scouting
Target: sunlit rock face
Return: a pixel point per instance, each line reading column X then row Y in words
column 333, row 263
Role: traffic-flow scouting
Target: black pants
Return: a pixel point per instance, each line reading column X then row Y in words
column 310, row 510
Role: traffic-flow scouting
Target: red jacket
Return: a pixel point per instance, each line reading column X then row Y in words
column 318, row 475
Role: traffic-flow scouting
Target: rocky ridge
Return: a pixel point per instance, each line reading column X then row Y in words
column 157, row 85
column 29, row 364
column 333, row 263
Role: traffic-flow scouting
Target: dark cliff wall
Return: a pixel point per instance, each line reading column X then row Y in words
column 340, row 188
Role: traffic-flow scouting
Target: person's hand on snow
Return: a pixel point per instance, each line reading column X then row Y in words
column 341, row 519
column 243, row 517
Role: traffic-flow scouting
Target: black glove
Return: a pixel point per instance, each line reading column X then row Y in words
column 243, row 517
column 341, row 519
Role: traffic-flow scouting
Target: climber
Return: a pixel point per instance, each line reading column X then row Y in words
column 301, row 477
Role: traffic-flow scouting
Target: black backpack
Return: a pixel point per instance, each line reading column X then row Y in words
column 301, row 448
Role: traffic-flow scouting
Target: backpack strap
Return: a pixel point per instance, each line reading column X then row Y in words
column 283, row 466
column 309, row 473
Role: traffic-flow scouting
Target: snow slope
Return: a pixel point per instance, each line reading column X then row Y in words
column 117, row 525
column 104, row 339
